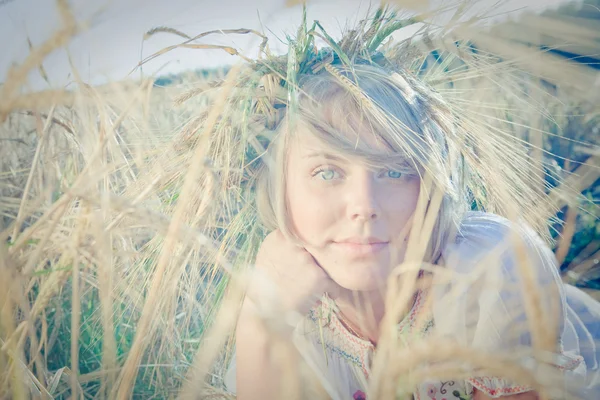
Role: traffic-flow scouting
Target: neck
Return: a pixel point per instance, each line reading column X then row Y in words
column 363, row 311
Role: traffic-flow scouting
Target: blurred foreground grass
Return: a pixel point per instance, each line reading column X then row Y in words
column 88, row 183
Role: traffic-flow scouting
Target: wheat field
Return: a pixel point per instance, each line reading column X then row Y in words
column 120, row 248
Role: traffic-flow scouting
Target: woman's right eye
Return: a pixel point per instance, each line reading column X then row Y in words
column 325, row 174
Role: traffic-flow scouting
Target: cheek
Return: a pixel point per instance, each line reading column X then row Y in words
column 401, row 204
column 311, row 212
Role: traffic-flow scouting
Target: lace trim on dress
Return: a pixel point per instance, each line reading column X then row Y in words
column 345, row 344
column 494, row 386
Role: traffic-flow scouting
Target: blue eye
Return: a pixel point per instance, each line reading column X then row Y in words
column 394, row 174
column 326, row 174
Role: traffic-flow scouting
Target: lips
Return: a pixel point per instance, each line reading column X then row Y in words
column 362, row 240
column 360, row 249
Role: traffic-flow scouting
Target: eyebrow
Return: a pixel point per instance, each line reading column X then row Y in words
column 324, row 155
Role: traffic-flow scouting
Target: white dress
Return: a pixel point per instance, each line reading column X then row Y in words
column 481, row 307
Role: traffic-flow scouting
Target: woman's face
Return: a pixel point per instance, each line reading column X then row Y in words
column 353, row 219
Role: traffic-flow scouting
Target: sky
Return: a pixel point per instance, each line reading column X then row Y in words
column 112, row 45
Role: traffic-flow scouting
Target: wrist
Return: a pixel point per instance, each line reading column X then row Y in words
column 267, row 318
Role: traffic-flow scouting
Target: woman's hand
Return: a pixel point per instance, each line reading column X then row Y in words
column 299, row 281
column 295, row 282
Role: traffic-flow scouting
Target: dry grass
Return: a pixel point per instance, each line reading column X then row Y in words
column 124, row 228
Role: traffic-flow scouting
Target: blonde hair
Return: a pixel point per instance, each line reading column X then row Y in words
column 340, row 104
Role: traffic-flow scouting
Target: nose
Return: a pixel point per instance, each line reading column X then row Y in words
column 362, row 198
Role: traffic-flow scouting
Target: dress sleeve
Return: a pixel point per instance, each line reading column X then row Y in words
column 482, row 305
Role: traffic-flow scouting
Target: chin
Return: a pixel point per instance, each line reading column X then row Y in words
column 358, row 272
column 360, row 286
column 360, row 277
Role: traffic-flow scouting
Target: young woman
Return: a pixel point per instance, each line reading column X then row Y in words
column 347, row 177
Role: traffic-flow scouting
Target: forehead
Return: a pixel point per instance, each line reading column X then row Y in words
column 346, row 144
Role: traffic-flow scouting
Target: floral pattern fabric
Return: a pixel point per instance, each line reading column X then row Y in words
column 356, row 352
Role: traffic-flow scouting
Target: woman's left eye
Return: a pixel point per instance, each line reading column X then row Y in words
column 393, row 174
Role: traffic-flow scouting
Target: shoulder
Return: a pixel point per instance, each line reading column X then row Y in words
column 479, row 228
column 482, row 235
